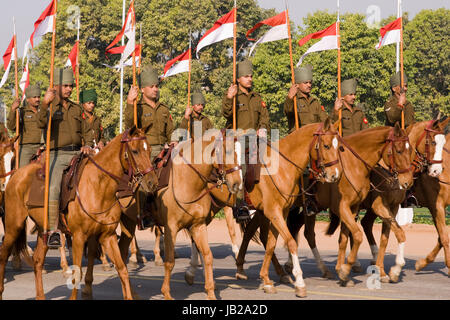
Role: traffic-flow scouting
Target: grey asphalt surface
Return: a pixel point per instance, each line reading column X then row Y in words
column 433, row 283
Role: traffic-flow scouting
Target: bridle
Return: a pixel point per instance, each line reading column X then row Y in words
column 390, row 144
column 425, row 160
column 317, row 166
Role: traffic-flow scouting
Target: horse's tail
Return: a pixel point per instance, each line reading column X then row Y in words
column 244, row 226
column 20, row 247
column 334, row 224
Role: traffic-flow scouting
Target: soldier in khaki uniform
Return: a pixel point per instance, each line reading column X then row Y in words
column 31, row 135
column 92, row 124
column 353, row 118
column 66, row 139
column 252, row 117
column 194, row 117
column 397, row 102
column 150, row 111
column 309, row 109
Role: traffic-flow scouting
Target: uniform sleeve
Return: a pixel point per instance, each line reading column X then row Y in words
column 227, row 108
column 321, row 114
column 101, row 136
column 289, row 107
column 409, row 114
column 264, row 119
column 42, row 116
column 129, row 116
column 84, row 130
column 184, row 123
column 393, row 111
column 169, row 129
column 335, row 115
column 364, row 122
column 11, row 122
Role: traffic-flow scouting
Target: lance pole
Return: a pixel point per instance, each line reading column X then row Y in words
column 402, row 80
column 16, row 74
column 189, row 82
column 338, row 32
column 234, row 64
column 77, row 66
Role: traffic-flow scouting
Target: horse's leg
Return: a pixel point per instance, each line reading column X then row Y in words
column 231, row 230
column 157, row 248
column 295, row 221
column 62, row 252
column 367, row 223
column 77, row 254
column 200, row 236
column 169, row 257
column 246, row 238
column 279, row 225
column 348, row 217
column 92, row 247
column 384, row 239
column 113, row 252
column 189, row 275
column 105, row 264
column 438, row 213
column 310, row 235
column 38, row 259
column 140, row 257
column 342, row 247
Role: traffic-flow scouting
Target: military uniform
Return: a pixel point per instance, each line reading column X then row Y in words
column 93, row 129
column 309, row 110
column 352, row 121
column 31, row 135
column 206, row 124
column 393, row 110
column 66, row 138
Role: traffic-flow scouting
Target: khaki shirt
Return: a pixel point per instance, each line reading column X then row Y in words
column 162, row 129
column 309, row 110
column 251, row 111
column 29, row 130
column 206, row 123
column 67, row 124
column 93, row 129
column 394, row 113
column 352, row 121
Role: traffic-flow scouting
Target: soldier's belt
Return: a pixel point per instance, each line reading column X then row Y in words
column 68, row 148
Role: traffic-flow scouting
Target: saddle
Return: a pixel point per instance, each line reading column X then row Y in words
column 163, row 165
column 253, row 171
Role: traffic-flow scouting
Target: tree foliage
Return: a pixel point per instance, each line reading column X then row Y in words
column 166, row 25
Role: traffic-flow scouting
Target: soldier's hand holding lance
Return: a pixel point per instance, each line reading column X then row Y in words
column 15, row 105
column 293, row 91
column 338, row 104
column 232, row 91
column 132, row 94
column 49, row 97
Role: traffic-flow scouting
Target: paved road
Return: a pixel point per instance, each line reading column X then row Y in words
column 433, row 283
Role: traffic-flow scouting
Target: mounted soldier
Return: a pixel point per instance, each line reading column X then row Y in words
column 397, row 102
column 194, row 116
column 92, row 124
column 252, row 118
column 66, row 140
column 31, row 135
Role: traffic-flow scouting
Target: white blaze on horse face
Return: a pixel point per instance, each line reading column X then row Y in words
column 7, row 163
column 237, row 149
column 335, row 143
column 436, row 168
column 145, row 146
column 407, row 146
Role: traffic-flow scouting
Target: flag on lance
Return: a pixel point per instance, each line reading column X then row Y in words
column 390, row 33
column 8, row 58
column 44, row 23
column 129, row 62
column 222, row 29
column 278, row 31
column 177, row 65
column 72, row 61
column 329, row 41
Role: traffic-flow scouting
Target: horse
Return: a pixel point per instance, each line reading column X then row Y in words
column 94, row 213
column 427, row 140
column 183, row 204
column 361, row 151
column 278, row 188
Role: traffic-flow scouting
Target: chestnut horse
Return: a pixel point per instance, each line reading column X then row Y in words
column 95, row 212
column 278, row 189
column 183, row 204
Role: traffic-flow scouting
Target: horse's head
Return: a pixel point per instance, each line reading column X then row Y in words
column 324, row 152
column 430, row 145
column 398, row 155
column 6, row 156
column 135, row 157
column 227, row 164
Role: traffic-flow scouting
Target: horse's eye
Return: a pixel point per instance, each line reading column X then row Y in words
column 341, row 149
column 135, row 151
column 399, row 151
column 326, row 146
column 433, row 143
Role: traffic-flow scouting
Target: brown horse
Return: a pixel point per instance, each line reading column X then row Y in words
column 95, row 212
column 183, row 204
column 385, row 199
column 278, row 189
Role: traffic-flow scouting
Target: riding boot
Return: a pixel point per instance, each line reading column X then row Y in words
column 410, row 200
column 311, row 206
column 145, row 218
column 54, row 235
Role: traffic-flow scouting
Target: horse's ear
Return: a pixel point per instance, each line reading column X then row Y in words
column 132, row 130
column 397, row 129
column 326, row 124
column 13, row 140
column 147, row 128
column 409, row 129
column 336, row 125
column 441, row 123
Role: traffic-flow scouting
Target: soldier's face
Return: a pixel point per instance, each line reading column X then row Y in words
column 89, row 106
column 246, row 81
column 198, row 108
column 65, row 90
column 397, row 89
column 350, row 98
column 34, row 101
column 151, row 92
column 305, row 87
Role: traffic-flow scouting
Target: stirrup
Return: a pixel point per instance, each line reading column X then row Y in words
column 54, row 239
column 310, row 208
column 241, row 213
column 145, row 222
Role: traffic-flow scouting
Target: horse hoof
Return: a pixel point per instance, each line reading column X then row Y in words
column 394, row 273
column 106, row 267
column 347, row 284
column 142, row 259
column 133, row 265
column 420, row 264
column 168, row 297
column 189, row 278
column 45, row 272
column 211, row 296
column 286, row 279
column 357, row 269
column 384, row 279
column 269, row 288
column 300, row 292
column 344, row 272
column 159, row 262
column 327, row 274
column 86, row 295
column 288, row 268
column 241, row 276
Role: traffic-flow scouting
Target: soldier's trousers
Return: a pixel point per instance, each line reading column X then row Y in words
column 26, row 151
column 59, row 160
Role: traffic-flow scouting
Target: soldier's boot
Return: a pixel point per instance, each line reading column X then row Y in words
column 145, row 219
column 410, row 200
column 54, row 235
column 240, row 211
column 310, row 208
